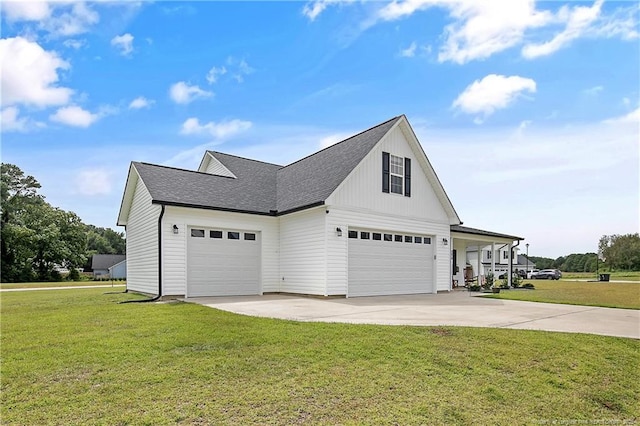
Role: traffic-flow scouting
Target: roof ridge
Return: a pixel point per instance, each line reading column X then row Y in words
column 244, row 158
column 344, row 140
column 177, row 169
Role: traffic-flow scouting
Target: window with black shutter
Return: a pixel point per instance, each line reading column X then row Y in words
column 385, row 172
column 407, row 177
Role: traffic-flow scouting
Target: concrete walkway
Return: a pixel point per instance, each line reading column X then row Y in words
column 457, row 308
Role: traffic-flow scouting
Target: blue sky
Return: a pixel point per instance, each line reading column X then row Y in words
column 529, row 111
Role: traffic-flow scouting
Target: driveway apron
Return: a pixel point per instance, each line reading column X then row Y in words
column 457, row 308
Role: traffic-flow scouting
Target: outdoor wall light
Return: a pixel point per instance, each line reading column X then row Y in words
column 445, row 241
column 339, row 232
column 175, row 229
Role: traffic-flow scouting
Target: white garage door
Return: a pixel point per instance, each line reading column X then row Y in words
column 223, row 262
column 385, row 263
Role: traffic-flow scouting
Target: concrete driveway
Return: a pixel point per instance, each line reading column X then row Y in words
column 457, row 308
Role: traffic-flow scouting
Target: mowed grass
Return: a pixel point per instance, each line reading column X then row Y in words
column 617, row 275
column 61, row 284
column 77, row 357
column 612, row 295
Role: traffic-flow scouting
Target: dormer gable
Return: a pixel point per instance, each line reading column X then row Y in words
column 211, row 165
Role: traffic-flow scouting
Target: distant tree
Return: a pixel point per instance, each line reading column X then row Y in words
column 35, row 236
column 621, row 251
column 542, row 262
column 104, row 241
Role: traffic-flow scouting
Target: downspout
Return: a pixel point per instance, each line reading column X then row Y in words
column 159, row 263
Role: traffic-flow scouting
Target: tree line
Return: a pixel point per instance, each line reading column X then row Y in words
column 37, row 238
column 615, row 253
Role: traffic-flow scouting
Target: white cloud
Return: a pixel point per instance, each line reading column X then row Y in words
column 214, row 73
column 314, row 8
column 410, row 51
column 183, row 93
column 74, row 116
column 578, row 21
column 487, row 27
column 30, row 74
column 124, row 43
column 10, row 122
column 70, row 21
column 16, row 11
column 491, row 93
column 239, row 68
column 74, row 44
column 632, row 117
column 221, row 130
column 483, row 28
column 593, row 91
column 141, row 102
column 93, row 182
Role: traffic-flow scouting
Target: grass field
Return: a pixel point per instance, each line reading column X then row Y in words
column 78, row 357
column 60, row 284
column 617, row 275
column 612, row 295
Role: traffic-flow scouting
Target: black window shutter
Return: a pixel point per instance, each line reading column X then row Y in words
column 385, row 172
column 407, row 177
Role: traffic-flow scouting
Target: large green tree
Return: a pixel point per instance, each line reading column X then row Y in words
column 35, row 236
column 621, row 251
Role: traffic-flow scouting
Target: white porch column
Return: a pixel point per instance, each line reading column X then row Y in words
column 493, row 259
column 510, row 270
column 479, row 262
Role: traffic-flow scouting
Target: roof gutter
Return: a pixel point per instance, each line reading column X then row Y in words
column 159, row 263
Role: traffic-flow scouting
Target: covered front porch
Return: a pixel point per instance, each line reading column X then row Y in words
column 476, row 253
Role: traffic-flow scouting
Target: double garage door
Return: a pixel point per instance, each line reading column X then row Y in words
column 223, row 262
column 385, row 263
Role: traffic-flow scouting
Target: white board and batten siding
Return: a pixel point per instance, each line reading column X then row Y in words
column 360, row 203
column 142, row 242
column 176, row 250
column 303, row 252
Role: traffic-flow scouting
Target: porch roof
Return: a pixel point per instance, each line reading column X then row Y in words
column 479, row 232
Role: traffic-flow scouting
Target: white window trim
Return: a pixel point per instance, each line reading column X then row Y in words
column 391, row 174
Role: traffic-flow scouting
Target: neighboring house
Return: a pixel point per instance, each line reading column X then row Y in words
column 119, row 270
column 100, row 264
column 366, row 216
column 496, row 260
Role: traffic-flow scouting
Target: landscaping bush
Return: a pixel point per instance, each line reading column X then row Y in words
column 74, row 275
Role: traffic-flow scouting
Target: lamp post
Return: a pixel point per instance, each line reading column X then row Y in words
column 527, row 246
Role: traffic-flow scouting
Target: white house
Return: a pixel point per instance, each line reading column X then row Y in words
column 366, row 216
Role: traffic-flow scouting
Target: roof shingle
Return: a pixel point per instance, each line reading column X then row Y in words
column 262, row 188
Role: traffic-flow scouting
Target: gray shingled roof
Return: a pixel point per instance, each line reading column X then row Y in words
column 254, row 190
column 475, row 231
column 262, row 187
column 312, row 179
column 105, row 261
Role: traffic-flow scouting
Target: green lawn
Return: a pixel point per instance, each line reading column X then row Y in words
column 60, row 284
column 78, row 357
column 617, row 275
column 612, row 295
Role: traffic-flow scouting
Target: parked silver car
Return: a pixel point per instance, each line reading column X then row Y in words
column 547, row 274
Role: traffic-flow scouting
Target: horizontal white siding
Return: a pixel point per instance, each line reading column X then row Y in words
column 215, row 167
column 175, row 245
column 337, row 247
column 363, row 188
column 142, row 242
column 302, row 252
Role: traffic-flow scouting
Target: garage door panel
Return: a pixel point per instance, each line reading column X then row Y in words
column 223, row 266
column 378, row 267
